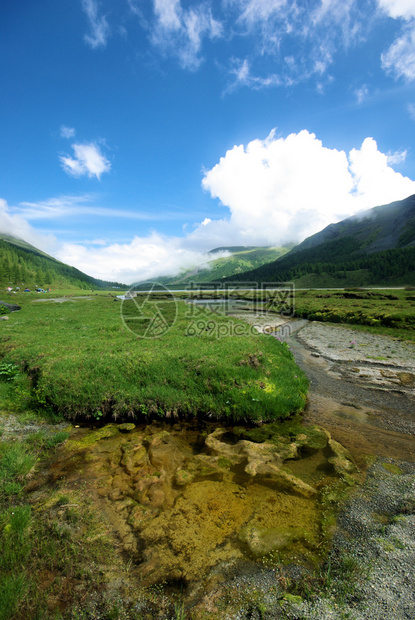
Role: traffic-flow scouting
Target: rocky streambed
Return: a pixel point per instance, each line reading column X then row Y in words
column 190, row 504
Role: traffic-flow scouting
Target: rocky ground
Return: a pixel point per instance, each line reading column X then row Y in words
column 374, row 377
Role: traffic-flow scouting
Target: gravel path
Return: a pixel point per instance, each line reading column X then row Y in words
column 14, row 427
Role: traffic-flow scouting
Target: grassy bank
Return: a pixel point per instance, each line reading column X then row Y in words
column 78, row 359
column 387, row 312
column 53, row 545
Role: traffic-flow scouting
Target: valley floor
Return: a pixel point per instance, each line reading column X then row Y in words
column 362, row 392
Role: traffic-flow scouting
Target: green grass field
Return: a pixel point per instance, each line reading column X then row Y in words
column 78, row 359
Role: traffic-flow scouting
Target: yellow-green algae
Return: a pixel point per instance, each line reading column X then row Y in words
column 392, row 469
column 185, row 501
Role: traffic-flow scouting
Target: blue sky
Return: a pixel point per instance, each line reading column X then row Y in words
column 137, row 135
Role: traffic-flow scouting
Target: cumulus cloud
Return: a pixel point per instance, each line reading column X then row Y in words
column 375, row 182
column 398, row 8
column 99, row 28
column 284, row 189
column 88, row 160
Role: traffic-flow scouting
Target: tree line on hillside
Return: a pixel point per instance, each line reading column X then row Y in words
column 336, row 258
column 24, row 268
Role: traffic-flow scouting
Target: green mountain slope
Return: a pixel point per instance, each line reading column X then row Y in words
column 372, row 248
column 24, row 266
column 240, row 260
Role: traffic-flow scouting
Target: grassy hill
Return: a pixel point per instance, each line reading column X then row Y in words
column 241, row 259
column 24, row 266
column 375, row 247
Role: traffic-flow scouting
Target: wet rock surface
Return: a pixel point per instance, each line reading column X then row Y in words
column 186, row 501
column 10, row 307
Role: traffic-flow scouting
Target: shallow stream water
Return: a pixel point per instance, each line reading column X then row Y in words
column 189, row 502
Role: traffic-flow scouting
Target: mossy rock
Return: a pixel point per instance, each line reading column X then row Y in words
column 294, row 599
column 89, row 439
column 127, row 427
column 262, row 541
column 392, row 469
column 406, row 378
column 183, row 477
column 224, row 463
column 316, row 437
column 133, row 457
column 257, row 435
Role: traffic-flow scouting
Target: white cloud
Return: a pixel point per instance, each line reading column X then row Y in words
column 284, row 189
column 142, row 259
column 16, row 225
column 253, row 11
column 80, row 205
column 67, row 132
column 241, row 71
column 374, row 179
column 398, row 157
column 273, row 191
column 400, row 57
column 88, row 160
column 180, row 32
column 411, row 110
column 361, row 93
column 302, row 40
column 97, row 23
column 398, row 8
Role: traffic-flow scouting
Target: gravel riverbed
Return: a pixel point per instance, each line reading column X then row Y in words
column 362, row 389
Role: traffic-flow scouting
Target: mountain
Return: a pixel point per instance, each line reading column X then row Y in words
column 240, row 259
column 374, row 247
column 23, row 265
column 381, row 228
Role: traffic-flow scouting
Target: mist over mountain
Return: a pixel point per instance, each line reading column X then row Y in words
column 238, row 260
column 24, row 266
column 374, row 247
